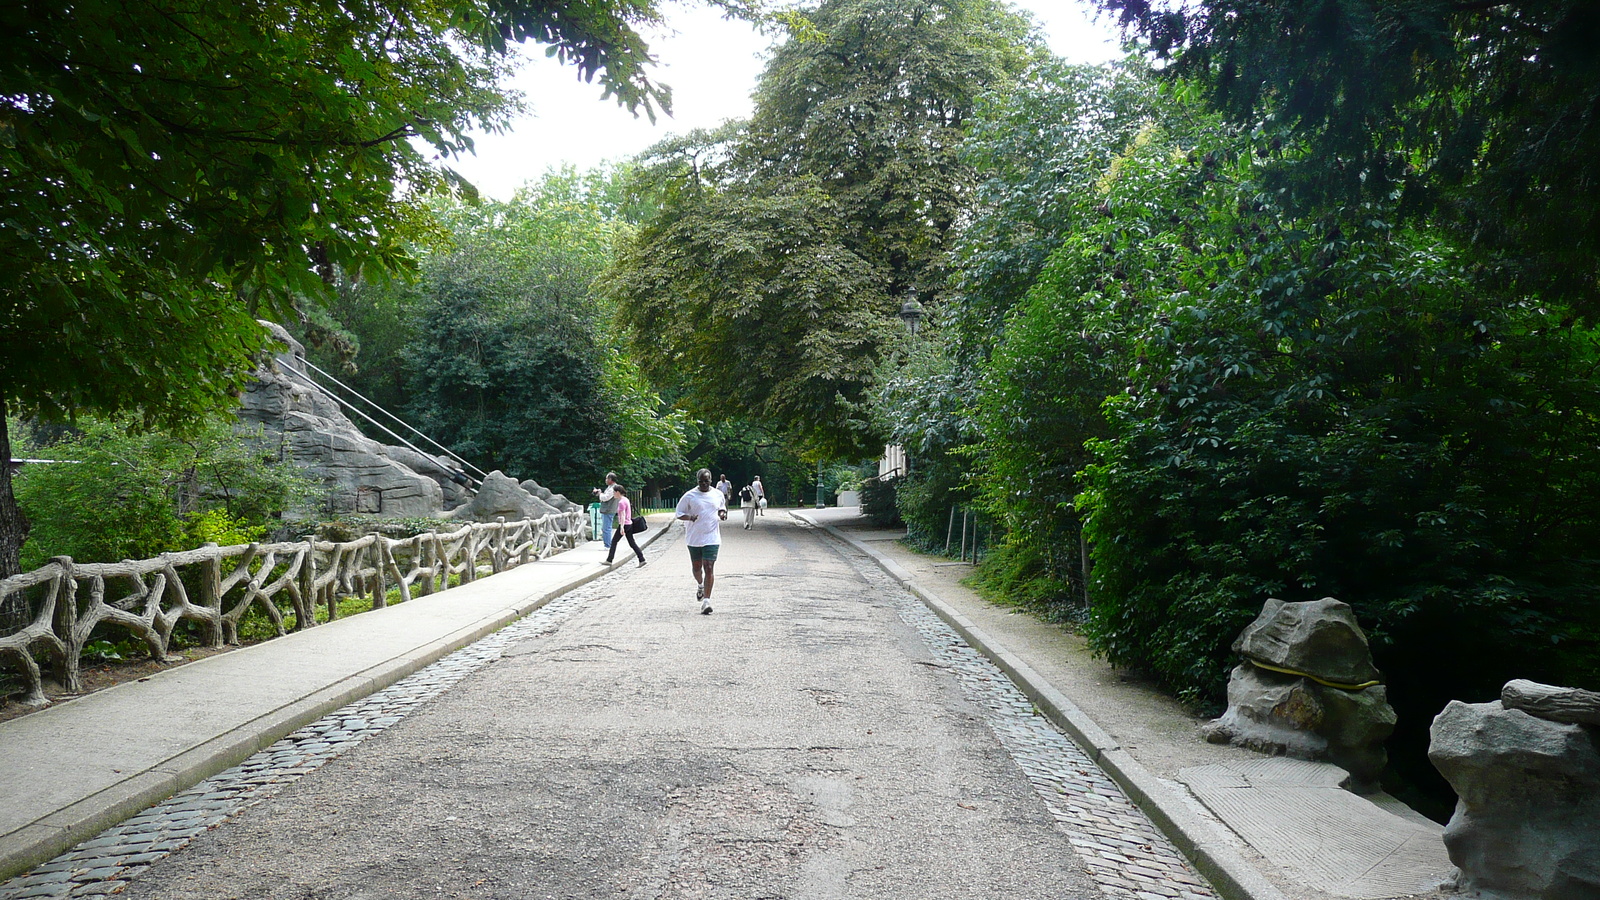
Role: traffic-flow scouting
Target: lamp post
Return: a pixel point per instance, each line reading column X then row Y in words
column 911, row 312
column 819, row 484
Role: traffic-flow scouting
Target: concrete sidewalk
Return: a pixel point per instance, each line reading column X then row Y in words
column 1257, row 827
column 76, row 768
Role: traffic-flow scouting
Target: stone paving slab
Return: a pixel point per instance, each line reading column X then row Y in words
column 1296, row 814
column 82, row 765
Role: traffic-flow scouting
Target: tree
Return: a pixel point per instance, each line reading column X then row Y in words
column 1038, row 148
column 169, row 171
column 513, row 362
column 1478, row 114
column 770, row 279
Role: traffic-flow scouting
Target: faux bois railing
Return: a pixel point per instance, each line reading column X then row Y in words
column 216, row 587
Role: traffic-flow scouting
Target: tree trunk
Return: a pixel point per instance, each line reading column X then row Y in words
column 13, row 525
column 13, row 531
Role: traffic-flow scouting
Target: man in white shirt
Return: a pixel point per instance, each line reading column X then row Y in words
column 703, row 510
column 726, row 487
column 760, row 490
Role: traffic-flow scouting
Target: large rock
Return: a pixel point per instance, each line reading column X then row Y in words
column 1295, row 713
column 501, row 495
column 558, row 501
column 1318, row 637
column 363, row 476
column 1291, row 716
column 453, row 483
column 303, row 422
column 1527, row 818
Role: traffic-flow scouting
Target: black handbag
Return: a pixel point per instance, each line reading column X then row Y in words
column 638, row 524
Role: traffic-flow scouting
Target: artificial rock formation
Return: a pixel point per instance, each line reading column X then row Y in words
column 1326, row 706
column 501, row 496
column 303, row 422
column 1527, row 818
column 363, row 476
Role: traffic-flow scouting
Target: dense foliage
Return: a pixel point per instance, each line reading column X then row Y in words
column 1183, row 389
column 502, row 349
column 769, row 282
column 168, row 170
column 1478, row 117
column 118, row 492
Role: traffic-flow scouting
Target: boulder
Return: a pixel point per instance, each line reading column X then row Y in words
column 1318, row 637
column 1527, row 818
column 1295, row 713
column 558, row 501
column 1292, row 716
column 300, row 421
column 501, row 496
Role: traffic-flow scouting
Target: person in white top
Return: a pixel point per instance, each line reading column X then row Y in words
column 760, row 491
column 747, row 502
column 703, row 510
column 726, row 487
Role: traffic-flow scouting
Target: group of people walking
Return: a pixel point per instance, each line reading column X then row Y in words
column 702, row 509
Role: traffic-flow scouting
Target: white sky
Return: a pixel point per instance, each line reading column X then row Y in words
column 712, row 65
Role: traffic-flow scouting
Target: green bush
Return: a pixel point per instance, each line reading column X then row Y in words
column 878, row 502
column 121, row 492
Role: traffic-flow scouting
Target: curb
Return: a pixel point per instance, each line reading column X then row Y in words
column 49, row 836
column 1207, row 850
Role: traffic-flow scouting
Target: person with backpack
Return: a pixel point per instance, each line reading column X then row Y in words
column 747, row 501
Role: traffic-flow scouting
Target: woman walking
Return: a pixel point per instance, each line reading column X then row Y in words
column 625, row 527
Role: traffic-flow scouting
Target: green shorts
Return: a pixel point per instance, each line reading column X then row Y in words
column 707, row 553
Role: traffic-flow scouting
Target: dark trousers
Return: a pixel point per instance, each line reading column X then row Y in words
column 616, row 540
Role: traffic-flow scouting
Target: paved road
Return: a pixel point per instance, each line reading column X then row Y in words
column 817, row 736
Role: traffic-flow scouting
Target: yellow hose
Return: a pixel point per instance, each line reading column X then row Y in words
column 1332, row 684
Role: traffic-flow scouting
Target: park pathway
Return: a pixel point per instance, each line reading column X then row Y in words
column 820, row 735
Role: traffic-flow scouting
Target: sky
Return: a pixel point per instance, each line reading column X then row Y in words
column 712, row 65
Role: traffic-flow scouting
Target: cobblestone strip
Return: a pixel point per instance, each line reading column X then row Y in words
column 1125, row 854
column 107, row 862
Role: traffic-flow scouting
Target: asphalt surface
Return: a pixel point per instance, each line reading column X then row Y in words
column 804, row 740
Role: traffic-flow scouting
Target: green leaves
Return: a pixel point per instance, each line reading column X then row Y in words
column 770, row 281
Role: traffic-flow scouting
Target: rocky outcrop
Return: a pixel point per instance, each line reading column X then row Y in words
column 361, row 475
column 559, row 501
column 1308, row 689
column 501, row 495
column 1527, row 818
column 305, row 424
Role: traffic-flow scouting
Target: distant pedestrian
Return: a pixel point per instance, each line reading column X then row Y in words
column 760, row 490
column 703, row 511
column 625, row 528
column 608, row 507
column 747, row 502
column 726, row 487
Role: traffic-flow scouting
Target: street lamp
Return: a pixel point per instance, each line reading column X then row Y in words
column 911, row 312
